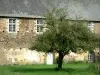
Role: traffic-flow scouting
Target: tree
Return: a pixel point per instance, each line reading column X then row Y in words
column 63, row 35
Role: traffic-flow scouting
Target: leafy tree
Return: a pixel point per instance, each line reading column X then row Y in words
column 63, row 35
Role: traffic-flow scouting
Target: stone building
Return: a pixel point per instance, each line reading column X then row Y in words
column 21, row 20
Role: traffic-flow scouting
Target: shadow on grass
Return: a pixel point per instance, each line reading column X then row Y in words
column 25, row 70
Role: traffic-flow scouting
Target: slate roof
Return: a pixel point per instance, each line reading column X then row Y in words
column 86, row 9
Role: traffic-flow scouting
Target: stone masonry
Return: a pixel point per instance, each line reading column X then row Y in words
column 21, row 39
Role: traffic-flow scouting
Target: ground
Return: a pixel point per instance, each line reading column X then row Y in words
column 68, row 69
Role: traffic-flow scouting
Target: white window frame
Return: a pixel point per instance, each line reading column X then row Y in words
column 12, row 25
column 38, row 24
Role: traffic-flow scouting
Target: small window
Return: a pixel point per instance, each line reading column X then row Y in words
column 39, row 25
column 91, row 25
column 12, row 25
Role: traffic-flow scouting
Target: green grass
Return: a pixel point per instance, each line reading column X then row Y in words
column 68, row 69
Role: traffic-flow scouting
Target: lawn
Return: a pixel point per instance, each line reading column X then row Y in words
column 68, row 69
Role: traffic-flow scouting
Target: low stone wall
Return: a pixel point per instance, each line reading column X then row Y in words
column 76, row 57
column 25, row 56
column 21, row 56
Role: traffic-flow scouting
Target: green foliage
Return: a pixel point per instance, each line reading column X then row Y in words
column 64, row 35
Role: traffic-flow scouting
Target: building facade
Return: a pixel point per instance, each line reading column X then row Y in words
column 22, row 20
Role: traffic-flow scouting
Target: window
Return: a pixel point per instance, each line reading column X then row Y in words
column 91, row 26
column 39, row 25
column 12, row 25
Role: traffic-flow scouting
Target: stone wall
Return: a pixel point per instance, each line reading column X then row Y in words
column 21, row 39
column 14, row 44
column 25, row 56
column 76, row 57
column 97, row 28
column 22, row 56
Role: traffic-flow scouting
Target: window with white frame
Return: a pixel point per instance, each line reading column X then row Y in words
column 91, row 26
column 12, row 25
column 39, row 25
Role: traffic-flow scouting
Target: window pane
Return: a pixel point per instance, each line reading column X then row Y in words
column 38, row 28
column 14, row 28
column 39, row 21
column 10, row 20
column 10, row 27
column 14, row 20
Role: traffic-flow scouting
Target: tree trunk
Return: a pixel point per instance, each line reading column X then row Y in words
column 60, row 60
